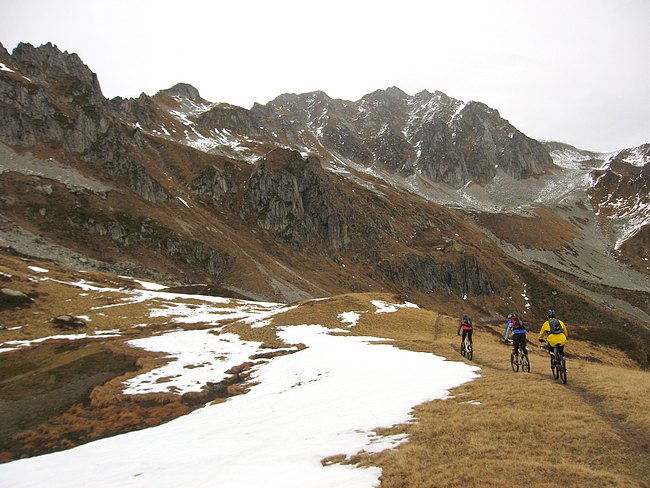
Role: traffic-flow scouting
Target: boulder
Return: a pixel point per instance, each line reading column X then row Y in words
column 68, row 322
column 10, row 298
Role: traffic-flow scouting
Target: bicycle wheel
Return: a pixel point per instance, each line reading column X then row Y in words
column 562, row 370
column 514, row 364
column 525, row 363
column 470, row 351
column 555, row 364
column 462, row 349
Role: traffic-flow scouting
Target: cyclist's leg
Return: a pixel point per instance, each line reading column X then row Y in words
column 523, row 342
column 462, row 338
column 469, row 334
column 561, row 349
column 515, row 344
column 550, row 352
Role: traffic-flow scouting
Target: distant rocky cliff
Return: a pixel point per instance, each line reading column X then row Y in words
column 52, row 98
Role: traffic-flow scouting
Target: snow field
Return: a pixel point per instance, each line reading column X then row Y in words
column 322, row 401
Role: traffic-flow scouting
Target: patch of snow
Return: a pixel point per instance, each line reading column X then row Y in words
column 38, row 270
column 69, row 337
column 108, row 332
column 147, row 285
column 183, row 202
column 4, row 67
column 328, row 399
column 385, row 307
column 350, row 318
column 638, row 156
column 568, row 158
column 199, row 356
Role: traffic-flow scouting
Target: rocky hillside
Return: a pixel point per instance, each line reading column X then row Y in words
column 620, row 193
column 308, row 196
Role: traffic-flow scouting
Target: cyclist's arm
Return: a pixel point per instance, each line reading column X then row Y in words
column 508, row 327
column 460, row 324
column 545, row 328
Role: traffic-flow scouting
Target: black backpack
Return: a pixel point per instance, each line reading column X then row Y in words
column 556, row 327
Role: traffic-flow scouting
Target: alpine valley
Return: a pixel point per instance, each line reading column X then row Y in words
column 422, row 198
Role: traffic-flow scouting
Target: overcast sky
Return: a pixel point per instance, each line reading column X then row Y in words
column 576, row 71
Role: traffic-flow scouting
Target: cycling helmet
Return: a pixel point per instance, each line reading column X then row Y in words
column 510, row 315
column 550, row 314
column 465, row 317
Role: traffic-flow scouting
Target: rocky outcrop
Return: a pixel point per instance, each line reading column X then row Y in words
column 230, row 117
column 216, row 183
column 296, row 199
column 623, row 186
column 68, row 322
column 112, row 153
column 183, row 90
column 10, row 298
column 423, row 273
column 487, row 141
column 142, row 110
column 57, row 101
column 4, row 55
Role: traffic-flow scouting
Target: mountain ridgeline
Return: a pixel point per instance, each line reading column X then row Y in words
column 309, row 196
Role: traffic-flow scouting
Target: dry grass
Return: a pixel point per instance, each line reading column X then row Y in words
column 528, row 429
column 513, row 435
column 524, row 231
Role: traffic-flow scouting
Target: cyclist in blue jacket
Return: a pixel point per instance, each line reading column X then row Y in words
column 516, row 325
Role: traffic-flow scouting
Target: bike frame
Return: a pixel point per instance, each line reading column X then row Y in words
column 558, row 367
column 520, row 360
column 466, row 348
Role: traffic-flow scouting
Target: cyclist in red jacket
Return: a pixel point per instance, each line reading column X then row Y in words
column 466, row 325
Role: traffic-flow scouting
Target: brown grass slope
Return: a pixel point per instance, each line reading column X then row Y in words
column 528, row 429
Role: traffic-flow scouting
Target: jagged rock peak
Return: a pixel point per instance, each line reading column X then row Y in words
column 293, row 99
column 4, row 55
column 635, row 156
column 183, row 90
column 390, row 93
column 48, row 61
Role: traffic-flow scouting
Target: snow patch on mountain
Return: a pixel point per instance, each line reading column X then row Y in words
column 326, row 400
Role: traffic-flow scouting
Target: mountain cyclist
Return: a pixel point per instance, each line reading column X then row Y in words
column 556, row 334
column 516, row 325
column 467, row 327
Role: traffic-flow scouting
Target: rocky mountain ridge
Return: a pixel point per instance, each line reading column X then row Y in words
column 305, row 196
column 429, row 134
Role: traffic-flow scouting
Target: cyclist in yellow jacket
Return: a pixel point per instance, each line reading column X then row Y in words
column 556, row 334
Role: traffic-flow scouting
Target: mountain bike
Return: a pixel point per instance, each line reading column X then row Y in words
column 521, row 360
column 558, row 365
column 466, row 348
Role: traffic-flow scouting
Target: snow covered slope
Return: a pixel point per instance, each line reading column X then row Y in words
column 326, row 398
